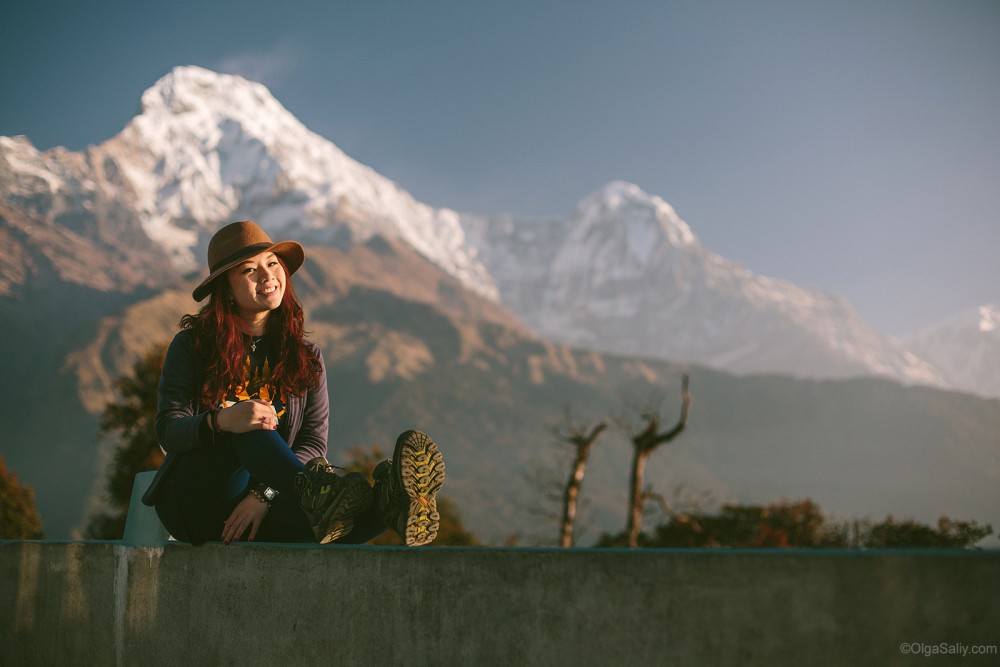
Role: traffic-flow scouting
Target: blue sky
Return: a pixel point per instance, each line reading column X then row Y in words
column 849, row 146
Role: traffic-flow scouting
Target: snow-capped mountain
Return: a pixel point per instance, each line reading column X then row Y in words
column 622, row 272
column 967, row 348
column 206, row 148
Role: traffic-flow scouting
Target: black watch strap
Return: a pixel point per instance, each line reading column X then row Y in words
column 264, row 493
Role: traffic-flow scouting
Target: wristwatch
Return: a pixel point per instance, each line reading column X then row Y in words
column 264, row 493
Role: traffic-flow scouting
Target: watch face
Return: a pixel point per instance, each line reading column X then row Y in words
column 270, row 493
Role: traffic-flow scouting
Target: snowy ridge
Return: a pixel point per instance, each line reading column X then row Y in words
column 37, row 182
column 967, row 347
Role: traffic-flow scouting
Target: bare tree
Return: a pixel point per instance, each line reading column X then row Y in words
column 581, row 437
column 644, row 443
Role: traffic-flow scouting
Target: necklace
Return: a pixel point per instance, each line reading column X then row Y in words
column 254, row 341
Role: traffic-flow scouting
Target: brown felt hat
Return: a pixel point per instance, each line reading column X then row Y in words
column 240, row 241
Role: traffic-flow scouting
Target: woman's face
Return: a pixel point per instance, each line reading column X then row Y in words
column 257, row 284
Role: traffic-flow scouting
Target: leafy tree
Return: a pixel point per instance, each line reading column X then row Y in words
column 19, row 518
column 132, row 419
column 781, row 524
column 452, row 531
column 799, row 524
column 889, row 534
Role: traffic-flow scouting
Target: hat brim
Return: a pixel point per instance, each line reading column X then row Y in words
column 290, row 252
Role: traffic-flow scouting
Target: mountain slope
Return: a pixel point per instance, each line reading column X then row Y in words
column 378, row 309
column 418, row 351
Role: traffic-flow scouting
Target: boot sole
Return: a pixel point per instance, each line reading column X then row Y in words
column 338, row 519
column 421, row 469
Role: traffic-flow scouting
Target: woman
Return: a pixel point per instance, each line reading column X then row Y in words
column 243, row 414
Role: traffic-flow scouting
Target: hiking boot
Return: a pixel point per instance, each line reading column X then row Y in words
column 406, row 486
column 331, row 501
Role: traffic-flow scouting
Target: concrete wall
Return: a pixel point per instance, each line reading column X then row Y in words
column 102, row 603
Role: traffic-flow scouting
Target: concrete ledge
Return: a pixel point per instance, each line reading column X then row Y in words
column 105, row 603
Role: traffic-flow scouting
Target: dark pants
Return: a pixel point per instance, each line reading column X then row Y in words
column 208, row 483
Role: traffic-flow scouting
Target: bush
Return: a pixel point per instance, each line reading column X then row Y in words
column 799, row 524
column 19, row 517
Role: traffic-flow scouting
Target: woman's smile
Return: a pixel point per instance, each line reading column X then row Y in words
column 257, row 285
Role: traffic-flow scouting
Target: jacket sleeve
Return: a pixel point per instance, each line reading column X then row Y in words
column 310, row 440
column 180, row 426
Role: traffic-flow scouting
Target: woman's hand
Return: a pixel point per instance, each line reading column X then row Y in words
column 244, row 416
column 248, row 514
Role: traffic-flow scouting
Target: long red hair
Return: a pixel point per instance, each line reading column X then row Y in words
column 221, row 343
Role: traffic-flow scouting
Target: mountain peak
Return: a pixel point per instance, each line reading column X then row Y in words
column 983, row 320
column 615, row 193
column 193, row 101
column 618, row 189
column 621, row 200
column 989, row 318
column 190, row 88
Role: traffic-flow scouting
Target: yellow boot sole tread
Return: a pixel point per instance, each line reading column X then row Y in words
column 422, row 470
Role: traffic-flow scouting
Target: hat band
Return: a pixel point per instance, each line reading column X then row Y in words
column 248, row 251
